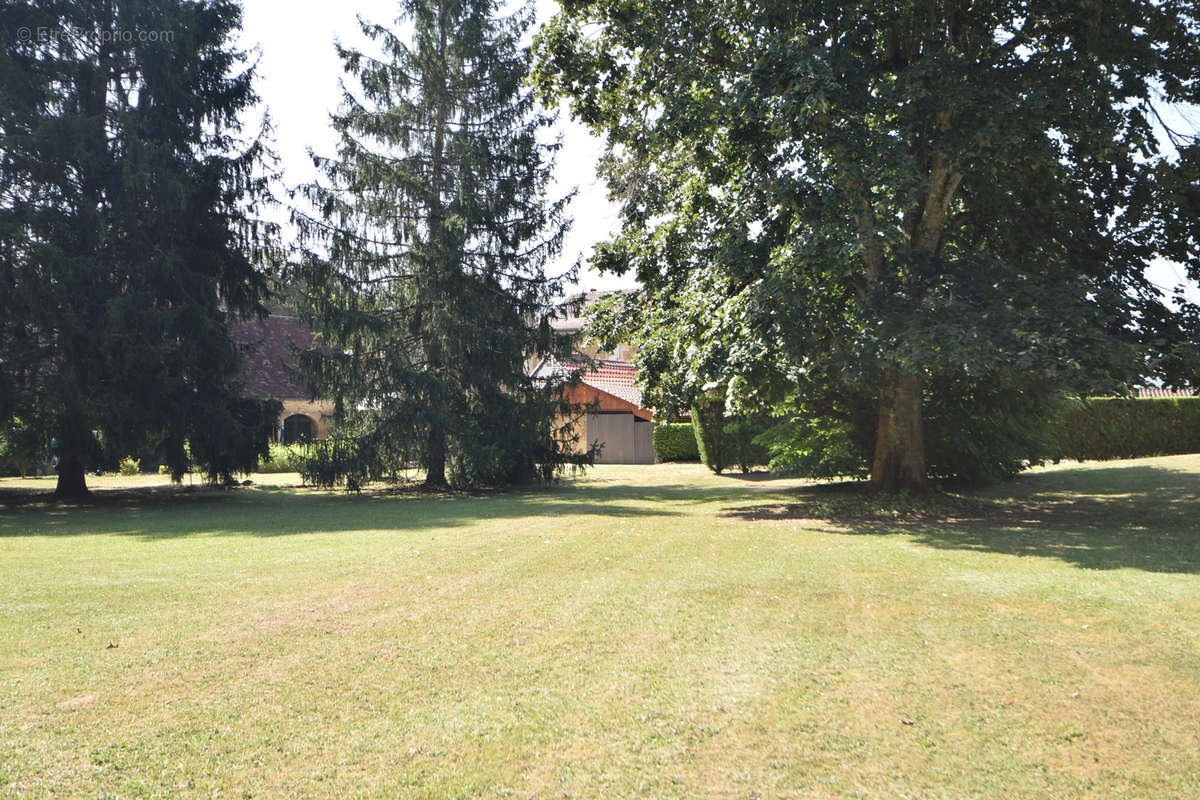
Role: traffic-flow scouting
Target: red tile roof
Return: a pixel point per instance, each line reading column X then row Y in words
column 268, row 358
column 618, row 378
column 1158, row 391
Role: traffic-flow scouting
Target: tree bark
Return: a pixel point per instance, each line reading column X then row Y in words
column 72, row 483
column 899, row 464
column 435, row 473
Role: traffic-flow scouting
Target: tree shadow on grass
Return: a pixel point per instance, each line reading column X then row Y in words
column 280, row 511
column 1140, row 517
column 12, row 498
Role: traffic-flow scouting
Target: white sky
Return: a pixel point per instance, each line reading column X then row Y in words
column 298, row 73
column 298, row 81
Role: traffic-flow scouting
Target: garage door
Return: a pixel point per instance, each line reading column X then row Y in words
column 615, row 433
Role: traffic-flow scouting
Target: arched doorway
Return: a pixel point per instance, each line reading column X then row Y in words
column 298, row 428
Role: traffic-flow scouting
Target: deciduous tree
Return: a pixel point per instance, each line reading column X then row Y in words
column 851, row 198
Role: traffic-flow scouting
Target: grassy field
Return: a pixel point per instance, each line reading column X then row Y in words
column 641, row 632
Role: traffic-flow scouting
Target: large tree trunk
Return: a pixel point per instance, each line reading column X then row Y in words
column 72, row 484
column 900, row 447
column 435, row 475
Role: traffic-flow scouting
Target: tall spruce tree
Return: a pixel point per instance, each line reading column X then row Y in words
column 426, row 254
column 126, row 238
column 894, row 199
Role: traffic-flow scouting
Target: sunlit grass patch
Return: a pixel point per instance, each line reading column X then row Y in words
column 643, row 632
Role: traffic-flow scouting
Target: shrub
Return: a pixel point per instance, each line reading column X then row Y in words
column 708, row 415
column 814, row 447
column 723, row 442
column 174, row 455
column 130, row 466
column 1115, row 427
column 22, row 451
column 285, row 458
column 675, row 441
column 741, row 442
column 976, row 431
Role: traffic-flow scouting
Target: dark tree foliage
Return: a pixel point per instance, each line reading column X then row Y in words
column 843, row 200
column 427, row 242
column 127, row 233
column 976, row 432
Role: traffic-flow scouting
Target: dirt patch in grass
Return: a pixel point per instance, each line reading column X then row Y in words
column 864, row 511
column 1097, row 495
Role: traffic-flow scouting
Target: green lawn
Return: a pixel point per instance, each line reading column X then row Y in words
column 642, row 632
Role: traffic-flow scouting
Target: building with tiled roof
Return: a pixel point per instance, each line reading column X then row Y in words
column 268, row 372
column 1158, row 391
column 608, row 382
column 617, row 421
column 572, row 317
column 572, row 312
column 617, row 379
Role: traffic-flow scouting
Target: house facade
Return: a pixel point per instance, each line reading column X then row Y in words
column 268, row 349
column 622, row 427
column 607, row 381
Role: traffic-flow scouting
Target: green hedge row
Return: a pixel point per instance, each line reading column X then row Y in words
column 675, row 441
column 1112, row 427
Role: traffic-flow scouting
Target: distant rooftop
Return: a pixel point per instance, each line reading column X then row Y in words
column 572, row 311
column 1158, row 391
column 618, row 378
column 267, row 348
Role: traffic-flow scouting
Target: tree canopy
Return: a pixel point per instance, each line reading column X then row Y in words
column 426, row 244
column 128, row 239
column 839, row 200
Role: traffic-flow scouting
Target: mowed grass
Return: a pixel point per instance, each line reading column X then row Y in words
column 640, row 632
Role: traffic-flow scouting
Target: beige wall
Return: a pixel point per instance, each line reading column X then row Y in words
column 625, row 431
column 318, row 412
column 625, row 438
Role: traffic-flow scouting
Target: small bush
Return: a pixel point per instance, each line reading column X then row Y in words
column 1116, row 427
column 814, row 448
column 707, row 416
column 130, row 466
column 22, row 450
column 675, row 441
column 285, row 458
column 724, row 442
column 741, row 442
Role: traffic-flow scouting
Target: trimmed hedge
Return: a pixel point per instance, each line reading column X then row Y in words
column 675, row 441
column 1105, row 428
column 725, row 442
